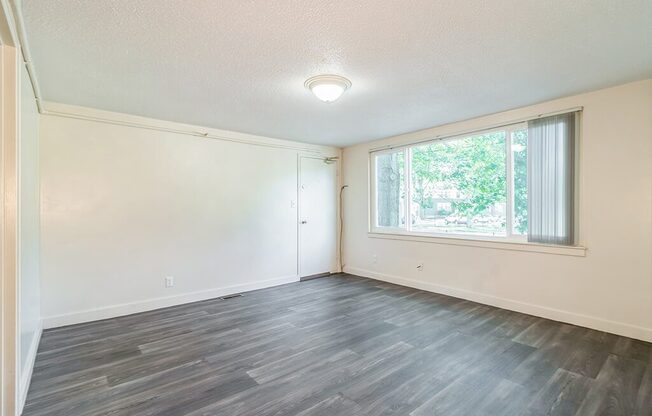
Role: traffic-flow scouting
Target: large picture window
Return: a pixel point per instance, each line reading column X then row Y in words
column 510, row 183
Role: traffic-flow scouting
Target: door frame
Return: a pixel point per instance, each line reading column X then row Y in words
column 9, row 279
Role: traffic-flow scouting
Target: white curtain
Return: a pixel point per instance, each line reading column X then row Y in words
column 550, row 151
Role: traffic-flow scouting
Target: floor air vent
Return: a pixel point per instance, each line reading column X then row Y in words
column 237, row 295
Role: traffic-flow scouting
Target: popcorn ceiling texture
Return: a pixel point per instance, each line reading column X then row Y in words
column 240, row 64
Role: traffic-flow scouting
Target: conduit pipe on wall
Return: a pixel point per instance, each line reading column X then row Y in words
column 24, row 48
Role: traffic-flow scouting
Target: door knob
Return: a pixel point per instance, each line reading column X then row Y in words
column 304, row 222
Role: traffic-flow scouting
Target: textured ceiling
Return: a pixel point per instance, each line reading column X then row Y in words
column 240, row 64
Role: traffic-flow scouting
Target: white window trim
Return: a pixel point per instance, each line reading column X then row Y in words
column 499, row 243
column 511, row 241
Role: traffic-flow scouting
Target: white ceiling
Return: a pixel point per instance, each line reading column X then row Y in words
column 240, row 64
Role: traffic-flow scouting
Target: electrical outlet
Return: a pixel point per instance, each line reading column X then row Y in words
column 374, row 259
column 293, row 203
column 169, row 281
column 420, row 266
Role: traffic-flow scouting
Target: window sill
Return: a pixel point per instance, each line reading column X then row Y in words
column 576, row 251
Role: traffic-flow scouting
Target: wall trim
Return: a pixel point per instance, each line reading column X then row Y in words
column 26, row 374
column 122, row 119
column 615, row 327
column 113, row 311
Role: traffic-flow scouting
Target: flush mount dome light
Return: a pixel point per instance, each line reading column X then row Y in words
column 328, row 88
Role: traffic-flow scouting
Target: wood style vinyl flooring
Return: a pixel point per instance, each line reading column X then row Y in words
column 341, row 345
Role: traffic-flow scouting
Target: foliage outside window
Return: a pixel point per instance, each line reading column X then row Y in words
column 469, row 185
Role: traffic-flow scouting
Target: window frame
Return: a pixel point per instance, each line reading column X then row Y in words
column 509, row 238
column 373, row 219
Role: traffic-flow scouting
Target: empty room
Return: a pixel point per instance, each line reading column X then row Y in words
column 325, row 207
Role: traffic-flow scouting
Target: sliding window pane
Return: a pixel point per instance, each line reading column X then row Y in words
column 390, row 189
column 519, row 174
column 458, row 186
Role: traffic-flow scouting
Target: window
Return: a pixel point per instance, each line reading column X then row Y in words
column 458, row 185
column 512, row 183
column 519, row 180
column 390, row 183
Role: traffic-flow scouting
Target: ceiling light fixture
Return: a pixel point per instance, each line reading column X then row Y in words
column 327, row 88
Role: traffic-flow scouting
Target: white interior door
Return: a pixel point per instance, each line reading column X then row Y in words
column 317, row 216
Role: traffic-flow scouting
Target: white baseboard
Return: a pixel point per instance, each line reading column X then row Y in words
column 113, row 311
column 26, row 374
column 619, row 328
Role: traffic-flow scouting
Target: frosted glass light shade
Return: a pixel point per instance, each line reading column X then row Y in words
column 328, row 88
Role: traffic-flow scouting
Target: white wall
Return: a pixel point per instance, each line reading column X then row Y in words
column 28, row 231
column 609, row 289
column 123, row 207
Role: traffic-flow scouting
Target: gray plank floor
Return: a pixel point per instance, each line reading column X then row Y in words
column 341, row 345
